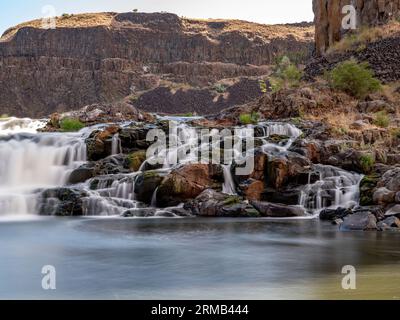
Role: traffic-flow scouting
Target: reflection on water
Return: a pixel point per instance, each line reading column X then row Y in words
column 195, row 258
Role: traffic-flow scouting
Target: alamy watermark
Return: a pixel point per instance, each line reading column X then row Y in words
column 349, row 21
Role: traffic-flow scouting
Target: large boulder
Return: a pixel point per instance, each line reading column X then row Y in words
column 362, row 221
column 185, row 183
column 211, row 203
column 62, row 202
column 99, row 143
column 289, row 168
column 334, row 214
column 275, row 210
column 146, row 184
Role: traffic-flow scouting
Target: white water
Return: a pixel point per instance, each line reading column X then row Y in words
column 229, row 186
column 116, row 144
column 334, row 188
column 32, row 162
column 16, row 125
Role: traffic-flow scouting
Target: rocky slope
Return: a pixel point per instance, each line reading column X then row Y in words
column 103, row 58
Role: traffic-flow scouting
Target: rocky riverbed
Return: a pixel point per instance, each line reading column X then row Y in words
column 103, row 170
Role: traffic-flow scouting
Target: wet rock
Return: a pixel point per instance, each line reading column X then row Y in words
column 111, row 165
column 140, row 213
column 145, row 185
column 252, row 189
column 367, row 187
column 389, row 223
column 62, row 202
column 99, row 143
column 289, row 195
column 289, row 168
column 275, row 210
column 133, row 139
column 383, row 196
column 359, row 221
column 82, row 174
column 393, row 211
column 135, row 160
column 185, row 183
column 334, row 214
column 391, row 180
column 211, row 203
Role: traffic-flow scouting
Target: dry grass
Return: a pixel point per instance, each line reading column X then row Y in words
column 265, row 32
column 261, row 30
column 365, row 35
column 68, row 21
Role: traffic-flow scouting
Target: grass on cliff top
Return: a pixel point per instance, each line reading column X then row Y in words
column 360, row 38
column 67, row 21
column 71, row 125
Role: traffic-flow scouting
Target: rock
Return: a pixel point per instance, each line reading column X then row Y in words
column 358, row 125
column 289, row 168
column 99, row 143
column 359, row 221
column 383, row 196
column 388, row 223
column 111, row 165
column 140, row 212
column 146, row 184
column 275, row 210
column 337, row 222
column 62, row 202
column 391, row 180
column 328, row 18
column 375, row 106
column 367, row 188
column 82, row 174
column 334, row 214
column 393, row 211
column 252, row 189
column 184, row 183
column 136, row 159
column 211, row 203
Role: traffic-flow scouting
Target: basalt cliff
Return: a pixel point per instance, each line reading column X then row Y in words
column 157, row 62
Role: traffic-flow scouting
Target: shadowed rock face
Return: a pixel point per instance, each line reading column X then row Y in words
column 45, row 71
column 328, row 17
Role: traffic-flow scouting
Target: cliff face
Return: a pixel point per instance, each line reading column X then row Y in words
column 328, row 17
column 83, row 62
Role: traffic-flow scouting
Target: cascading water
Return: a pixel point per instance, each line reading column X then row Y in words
column 334, row 188
column 30, row 162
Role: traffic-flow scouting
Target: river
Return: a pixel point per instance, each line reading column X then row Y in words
column 160, row 258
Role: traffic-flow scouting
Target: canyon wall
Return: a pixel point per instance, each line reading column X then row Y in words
column 328, row 17
column 79, row 62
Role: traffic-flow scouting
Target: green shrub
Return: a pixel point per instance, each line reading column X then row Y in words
column 381, row 119
column 220, row 88
column 263, row 86
column 4, row 116
column 285, row 75
column 71, row 125
column 353, row 78
column 249, row 118
column 367, row 162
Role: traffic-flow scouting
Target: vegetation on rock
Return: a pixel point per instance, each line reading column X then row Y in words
column 353, row 78
column 71, row 125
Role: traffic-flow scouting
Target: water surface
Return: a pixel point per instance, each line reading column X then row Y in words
column 195, row 258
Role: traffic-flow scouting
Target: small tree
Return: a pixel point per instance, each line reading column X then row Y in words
column 354, row 78
column 286, row 74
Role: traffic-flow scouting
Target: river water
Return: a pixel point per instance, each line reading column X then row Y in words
column 195, row 258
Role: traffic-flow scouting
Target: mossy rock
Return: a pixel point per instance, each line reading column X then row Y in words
column 367, row 187
column 136, row 159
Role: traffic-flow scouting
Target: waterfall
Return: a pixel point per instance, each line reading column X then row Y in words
column 229, row 186
column 31, row 162
column 13, row 125
column 334, row 188
column 116, row 144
